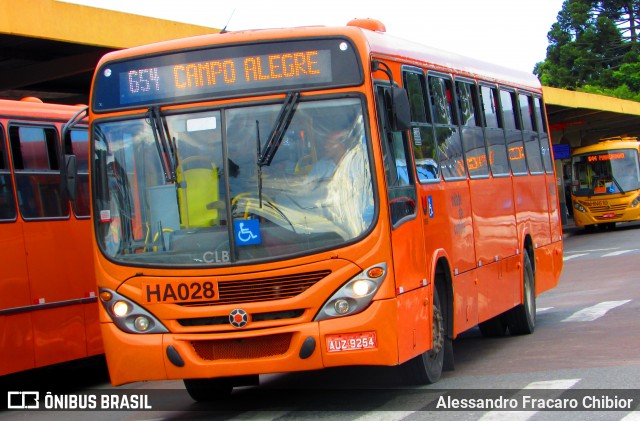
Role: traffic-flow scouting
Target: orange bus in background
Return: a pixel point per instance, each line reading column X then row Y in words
column 284, row 200
column 605, row 183
column 48, row 304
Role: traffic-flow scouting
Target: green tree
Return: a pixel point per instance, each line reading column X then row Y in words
column 593, row 47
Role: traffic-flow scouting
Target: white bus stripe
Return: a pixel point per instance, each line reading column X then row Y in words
column 592, row 313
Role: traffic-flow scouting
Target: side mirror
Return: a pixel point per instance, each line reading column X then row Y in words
column 400, row 115
column 70, row 175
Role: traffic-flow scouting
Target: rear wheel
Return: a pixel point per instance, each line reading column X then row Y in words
column 426, row 368
column 209, row 390
column 522, row 319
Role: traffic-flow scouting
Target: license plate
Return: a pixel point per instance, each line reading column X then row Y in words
column 351, row 341
column 609, row 215
column 179, row 291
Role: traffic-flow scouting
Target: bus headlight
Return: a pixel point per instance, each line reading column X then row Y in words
column 355, row 295
column 121, row 308
column 635, row 202
column 579, row 207
column 129, row 316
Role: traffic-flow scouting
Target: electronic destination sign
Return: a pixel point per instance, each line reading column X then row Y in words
column 226, row 71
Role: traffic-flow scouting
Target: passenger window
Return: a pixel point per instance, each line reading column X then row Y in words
column 494, row 133
column 489, row 104
column 531, row 142
column 424, row 146
column 541, row 127
column 441, row 101
column 449, row 144
column 508, row 110
column 515, row 146
column 35, row 157
column 414, row 83
column 7, row 203
column 472, row 135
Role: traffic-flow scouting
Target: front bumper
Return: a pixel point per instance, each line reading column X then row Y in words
column 300, row 347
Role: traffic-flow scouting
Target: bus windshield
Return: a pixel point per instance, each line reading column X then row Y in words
column 605, row 172
column 190, row 189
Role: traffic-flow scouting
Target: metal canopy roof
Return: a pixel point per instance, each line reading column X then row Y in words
column 49, row 49
column 580, row 119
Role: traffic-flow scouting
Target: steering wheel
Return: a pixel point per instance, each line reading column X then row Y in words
column 252, row 203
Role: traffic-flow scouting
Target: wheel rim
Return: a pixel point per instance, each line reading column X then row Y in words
column 438, row 333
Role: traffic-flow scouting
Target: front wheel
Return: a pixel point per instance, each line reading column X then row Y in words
column 426, row 368
column 522, row 319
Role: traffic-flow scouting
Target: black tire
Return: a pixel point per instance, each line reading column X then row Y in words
column 427, row 367
column 522, row 319
column 494, row 327
column 209, row 390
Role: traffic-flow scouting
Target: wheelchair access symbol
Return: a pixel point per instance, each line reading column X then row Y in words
column 247, row 232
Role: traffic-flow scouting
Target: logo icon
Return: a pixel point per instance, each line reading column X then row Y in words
column 238, row 318
column 23, row 400
column 247, row 232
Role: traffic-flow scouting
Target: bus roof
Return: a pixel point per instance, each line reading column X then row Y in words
column 609, row 143
column 378, row 43
column 33, row 108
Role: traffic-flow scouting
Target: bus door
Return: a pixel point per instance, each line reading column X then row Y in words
column 407, row 239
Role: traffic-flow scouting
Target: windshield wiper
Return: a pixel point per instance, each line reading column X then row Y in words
column 279, row 129
column 618, row 184
column 165, row 147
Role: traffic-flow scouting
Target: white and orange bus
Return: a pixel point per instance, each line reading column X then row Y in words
column 48, row 300
column 605, row 183
column 283, row 200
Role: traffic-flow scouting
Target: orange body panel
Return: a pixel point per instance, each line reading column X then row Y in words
column 415, row 313
column 493, row 211
column 48, row 310
column 532, row 209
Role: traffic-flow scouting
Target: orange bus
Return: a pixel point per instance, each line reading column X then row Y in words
column 605, row 183
column 48, row 302
column 283, row 200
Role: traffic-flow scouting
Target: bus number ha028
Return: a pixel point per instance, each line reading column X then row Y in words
column 178, row 292
column 351, row 341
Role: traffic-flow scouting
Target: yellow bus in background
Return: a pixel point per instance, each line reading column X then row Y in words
column 605, row 183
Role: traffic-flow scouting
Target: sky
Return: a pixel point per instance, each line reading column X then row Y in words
column 512, row 33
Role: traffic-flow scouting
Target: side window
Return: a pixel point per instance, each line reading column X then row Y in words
column 451, row 158
column 76, row 144
column 472, row 135
column 531, row 142
column 397, row 165
column 7, row 203
column 515, row 147
column 424, row 148
column 35, row 158
column 541, row 127
column 494, row 132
